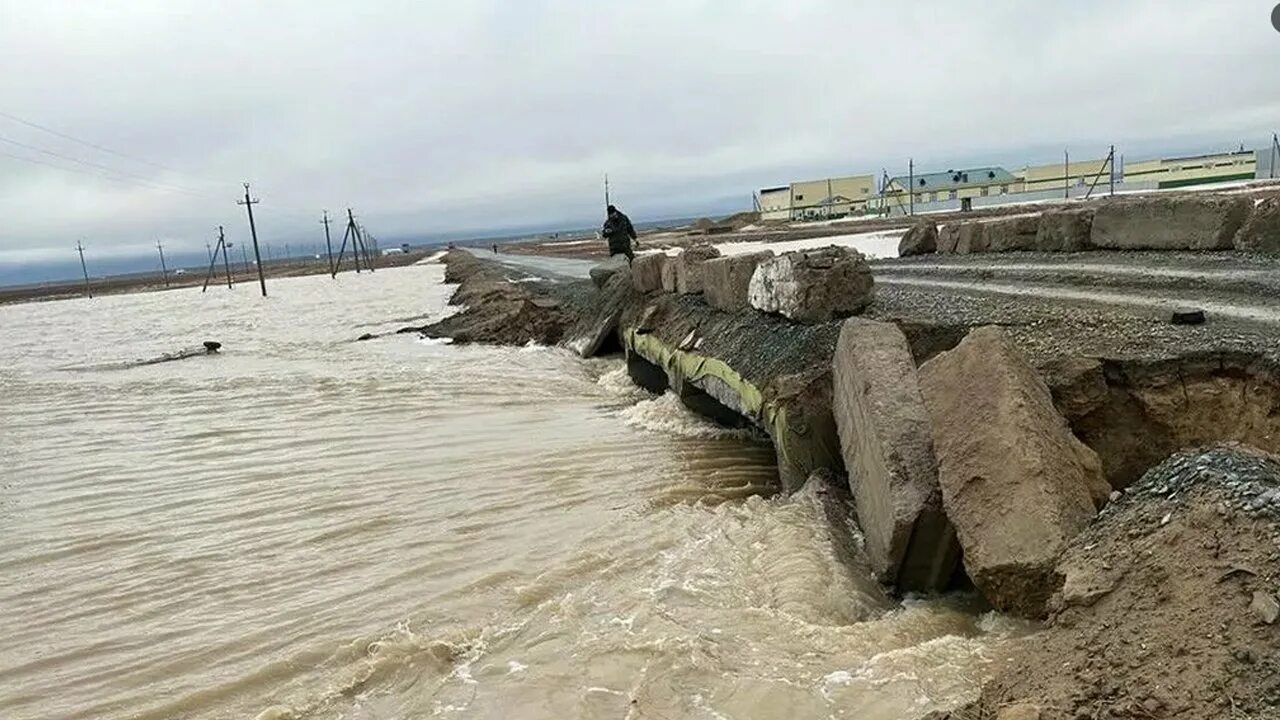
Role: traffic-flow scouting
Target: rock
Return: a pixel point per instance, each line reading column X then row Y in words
column 813, row 286
column 1187, row 316
column 601, row 273
column 1173, row 222
column 1010, row 234
column 366, row 336
column 726, row 280
column 646, row 272
column 921, row 239
column 1064, row 230
column 948, row 237
column 972, row 238
column 689, row 268
column 1261, row 233
column 668, row 272
column 887, row 445
column 1265, row 608
column 1016, row 484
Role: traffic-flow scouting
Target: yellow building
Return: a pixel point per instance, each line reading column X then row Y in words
column 775, row 203
column 1193, row 170
column 831, row 197
column 1078, row 172
column 951, row 185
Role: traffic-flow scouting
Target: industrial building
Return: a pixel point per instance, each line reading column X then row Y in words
column 951, row 185
column 831, row 197
column 987, row 185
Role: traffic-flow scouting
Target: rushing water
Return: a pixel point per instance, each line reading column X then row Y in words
column 310, row 527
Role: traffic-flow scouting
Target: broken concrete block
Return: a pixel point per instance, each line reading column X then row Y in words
column 1016, row 483
column 1064, row 230
column 948, row 238
column 646, row 272
column 1010, row 234
column 669, row 274
column 726, row 280
column 971, row 238
column 887, row 444
column 921, row 239
column 689, row 268
column 813, row 286
column 1177, row 222
column 601, row 273
column 1261, row 233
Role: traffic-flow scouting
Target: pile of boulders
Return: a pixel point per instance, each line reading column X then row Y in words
column 807, row 286
column 965, row 456
column 1162, row 222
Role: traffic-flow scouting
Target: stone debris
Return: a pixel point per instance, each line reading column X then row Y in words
column 1264, row 607
column 920, row 239
column 813, row 286
column 727, row 280
column 887, row 445
column 948, row 238
column 646, row 272
column 1175, row 222
column 1016, row 484
column 601, row 273
column 1064, row 231
column 688, row 267
column 1010, row 234
column 1261, row 233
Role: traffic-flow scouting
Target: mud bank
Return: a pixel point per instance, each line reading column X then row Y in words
column 1108, row 395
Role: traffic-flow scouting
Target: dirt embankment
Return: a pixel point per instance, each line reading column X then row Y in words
column 1168, row 608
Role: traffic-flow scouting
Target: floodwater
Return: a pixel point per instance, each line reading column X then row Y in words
column 313, row 528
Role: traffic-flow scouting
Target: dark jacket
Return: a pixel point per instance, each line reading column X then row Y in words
column 619, row 232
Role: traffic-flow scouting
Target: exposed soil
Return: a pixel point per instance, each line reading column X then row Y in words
column 1168, row 609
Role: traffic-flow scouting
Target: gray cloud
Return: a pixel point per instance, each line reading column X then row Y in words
column 432, row 116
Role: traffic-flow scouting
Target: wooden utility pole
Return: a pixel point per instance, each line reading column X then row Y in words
column 328, row 244
column 248, row 204
column 84, row 269
column 164, row 270
column 606, row 190
column 1111, row 159
column 226, row 264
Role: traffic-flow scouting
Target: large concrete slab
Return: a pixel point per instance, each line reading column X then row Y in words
column 1016, row 484
column 688, row 265
column 887, row 443
column 1177, row 222
column 813, row 286
column 726, row 280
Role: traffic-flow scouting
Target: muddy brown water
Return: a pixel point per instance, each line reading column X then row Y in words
column 308, row 527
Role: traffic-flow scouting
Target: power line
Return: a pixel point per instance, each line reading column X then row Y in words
column 98, row 147
column 86, row 163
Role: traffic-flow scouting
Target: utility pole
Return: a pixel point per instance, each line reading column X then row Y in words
column 911, row 185
column 1275, row 153
column 84, row 269
column 287, row 254
column 164, row 270
column 328, row 244
column 1111, row 158
column 209, row 250
column 244, row 258
column 1066, row 175
column 226, row 264
column 248, row 204
column 606, row 190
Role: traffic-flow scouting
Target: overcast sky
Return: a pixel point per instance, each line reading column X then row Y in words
column 475, row 114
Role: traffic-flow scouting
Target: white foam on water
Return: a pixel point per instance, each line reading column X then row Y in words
column 666, row 414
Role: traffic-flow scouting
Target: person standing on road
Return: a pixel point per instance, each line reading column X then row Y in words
column 619, row 233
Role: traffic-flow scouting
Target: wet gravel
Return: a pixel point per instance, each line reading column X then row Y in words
column 1249, row 481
